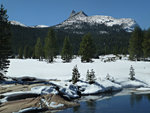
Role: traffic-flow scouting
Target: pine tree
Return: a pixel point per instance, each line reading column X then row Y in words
column 135, row 44
column 50, row 47
column 107, row 77
column 87, row 75
column 5, row 38
column 20, row 53
column 33, row 53
column 90, row 77
column 38, row 49
column 25, row 54
column 87, row 48
column 132, row 73
column 29, row 51
column 75, row 75
column 66, row 53
column 146, row 44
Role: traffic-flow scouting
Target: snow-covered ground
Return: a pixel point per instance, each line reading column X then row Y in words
column 118, row 75
column 119, row 69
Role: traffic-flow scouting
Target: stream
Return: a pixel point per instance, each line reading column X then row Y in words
column 124, row 102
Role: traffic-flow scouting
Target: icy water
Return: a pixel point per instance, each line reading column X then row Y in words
column 134, row 103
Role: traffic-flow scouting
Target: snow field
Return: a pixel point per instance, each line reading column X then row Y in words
column 119, row 70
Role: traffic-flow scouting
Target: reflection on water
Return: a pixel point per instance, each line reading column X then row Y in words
column 134, row 103
column 91, row 104
column 137, row 98
column 76, row 109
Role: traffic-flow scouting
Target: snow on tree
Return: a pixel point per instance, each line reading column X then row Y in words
column 132, row 73
column 110, row 78
column 87, row 75
column 75, row 75
column 90, row 76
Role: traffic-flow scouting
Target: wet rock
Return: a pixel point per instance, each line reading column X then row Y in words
column 36, row 102
column 20, row 96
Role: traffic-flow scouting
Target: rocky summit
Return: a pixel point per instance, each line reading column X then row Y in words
column 80, row 20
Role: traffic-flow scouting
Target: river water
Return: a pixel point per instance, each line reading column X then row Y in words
column 132, row 103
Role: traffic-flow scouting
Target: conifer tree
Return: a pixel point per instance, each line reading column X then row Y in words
column 146, row 44
column 29, row 51
column 38, row 49
column 90, row 77
column 87, row 48
column 132, row 73
column 5, row 38
column 33, row 53
column 50, row 47
column 20, row 53
column 66, row 53
column 25, row 54
column 75, row 75
column 87, row 75
column 135, row 44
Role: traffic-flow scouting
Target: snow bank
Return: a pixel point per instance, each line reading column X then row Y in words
column 70, row 91
column 98, row 87
column 52, row 104
column 143, row 89
column 55, row 105
column 127, row 83
column 44, row 90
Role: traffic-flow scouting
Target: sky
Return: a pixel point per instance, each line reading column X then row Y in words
column 52, row 12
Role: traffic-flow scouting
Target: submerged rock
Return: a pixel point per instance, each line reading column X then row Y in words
column 42, row 103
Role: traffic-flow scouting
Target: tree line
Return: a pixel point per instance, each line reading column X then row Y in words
column 49, row 50
column 107, row 43
column 138, row 49
column 139, row 44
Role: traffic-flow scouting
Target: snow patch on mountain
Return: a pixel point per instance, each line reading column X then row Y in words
column 20, row 24
column 80, row 17
column 40, row 26
column 77, row 20
column 17, row 23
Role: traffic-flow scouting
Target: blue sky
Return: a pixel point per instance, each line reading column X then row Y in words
column 52, row 12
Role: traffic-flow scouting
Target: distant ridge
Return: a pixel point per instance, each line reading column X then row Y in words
column 78, row 21
column 77, row 18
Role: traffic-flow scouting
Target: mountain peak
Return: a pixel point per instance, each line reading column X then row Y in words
column 72, row 13
column 77, row 14
column 81, row 12
column 77, row 18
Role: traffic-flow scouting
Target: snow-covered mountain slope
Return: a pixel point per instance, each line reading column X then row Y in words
column 80, row 23
column 40, row 26
column 17, row 23
column 20, row 24
column 80, row 17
